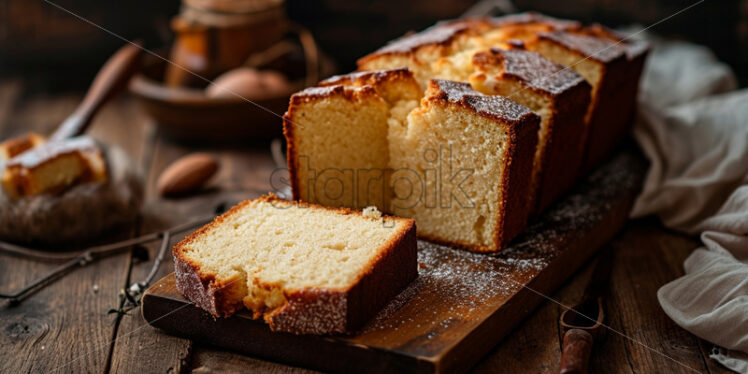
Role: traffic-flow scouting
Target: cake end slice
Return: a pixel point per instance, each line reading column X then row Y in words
column 302, row 268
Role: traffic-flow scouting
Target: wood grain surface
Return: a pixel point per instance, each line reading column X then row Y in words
column 66, row 328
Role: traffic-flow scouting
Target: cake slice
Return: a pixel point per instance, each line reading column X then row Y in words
column 558, row 95
column 636, row 52
column 612, row 69
column 54, row 167
column 302, row 268
column 337, row 146
column 462, row 166
column 337, row 134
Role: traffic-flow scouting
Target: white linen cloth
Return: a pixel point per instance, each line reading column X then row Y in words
column 693, row 127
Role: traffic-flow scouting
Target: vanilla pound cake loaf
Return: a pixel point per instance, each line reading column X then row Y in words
column 302, row 268
column 460, row 162
column 526, row 59
column 419, row 51
column 462, row 165
column 611, row 65
column 559, row 95
column 338, row 152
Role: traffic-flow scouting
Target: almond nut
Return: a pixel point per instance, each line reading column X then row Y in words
column 187, row 174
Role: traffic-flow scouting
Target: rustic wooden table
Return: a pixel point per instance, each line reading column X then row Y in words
column 66, row 328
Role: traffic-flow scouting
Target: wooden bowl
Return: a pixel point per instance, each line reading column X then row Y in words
column 189, row 114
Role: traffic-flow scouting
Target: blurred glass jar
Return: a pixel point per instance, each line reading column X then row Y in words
column 214, row 36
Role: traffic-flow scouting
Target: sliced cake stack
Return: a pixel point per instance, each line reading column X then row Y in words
column 612, row 66
column 558, row 95
column 460, row 162
column 580, row 81
column 609, row 63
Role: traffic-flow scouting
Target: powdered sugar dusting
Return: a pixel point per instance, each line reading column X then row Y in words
column 599, row 49
column 435, row 35
column 538, row 72
column 491, row 105
column 579, row 212
column 461, row 280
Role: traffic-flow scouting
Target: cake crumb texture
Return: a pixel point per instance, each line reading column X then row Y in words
column 302, row 268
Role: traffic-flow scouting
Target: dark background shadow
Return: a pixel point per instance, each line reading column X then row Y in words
column 36, row 37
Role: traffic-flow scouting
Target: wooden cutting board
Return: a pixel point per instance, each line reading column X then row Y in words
column 457, row 309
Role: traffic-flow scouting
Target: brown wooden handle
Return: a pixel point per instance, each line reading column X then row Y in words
column 575, row 355
column 111, row 80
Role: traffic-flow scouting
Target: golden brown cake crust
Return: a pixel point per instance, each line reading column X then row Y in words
column 595, row 48
column 373, row 77
column 444, row 33
column 315, row 93
column 308, row 95
column 494, row 107
column 523, row 125
column 292, row 159
column 309, row 311
column 517, row 177
column 531, row 70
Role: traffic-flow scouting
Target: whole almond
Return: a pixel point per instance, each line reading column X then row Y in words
column 187, row 174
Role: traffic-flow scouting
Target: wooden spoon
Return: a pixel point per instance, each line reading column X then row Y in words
column 110, row 80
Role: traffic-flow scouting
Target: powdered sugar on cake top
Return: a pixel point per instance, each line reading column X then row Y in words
column 494, row 105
